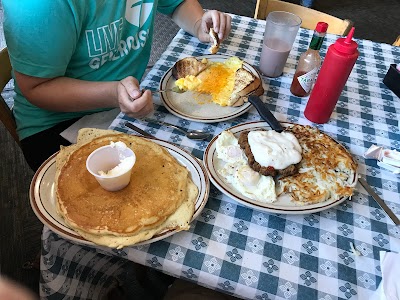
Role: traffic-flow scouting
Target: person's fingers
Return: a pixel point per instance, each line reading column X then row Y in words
column 204, row 24
column 12, row 290
column 123, row 96
column 132, row 87
column 220, row 22
column 228, row 26
column 139, row 107
column 222, row 26
column 215, row 18
column 210, row 19
column 147, row 107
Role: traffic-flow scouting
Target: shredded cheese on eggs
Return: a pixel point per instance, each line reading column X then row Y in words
column 217, row 80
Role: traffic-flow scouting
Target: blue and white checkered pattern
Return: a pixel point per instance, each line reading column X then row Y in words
column 257, row 255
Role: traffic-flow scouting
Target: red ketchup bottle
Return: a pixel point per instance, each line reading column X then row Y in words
column 335, row 71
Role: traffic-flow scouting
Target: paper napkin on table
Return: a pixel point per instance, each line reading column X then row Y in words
column 387, row 159
column 100, row 120
column 389, row 288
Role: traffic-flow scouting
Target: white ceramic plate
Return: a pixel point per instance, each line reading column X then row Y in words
column 186, row 105
column 284, row 205
column 43, row 200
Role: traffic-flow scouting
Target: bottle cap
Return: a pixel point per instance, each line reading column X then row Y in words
column 346, row 45
column 321, row 27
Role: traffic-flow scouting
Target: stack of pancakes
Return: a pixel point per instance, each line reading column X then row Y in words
column 160, row 196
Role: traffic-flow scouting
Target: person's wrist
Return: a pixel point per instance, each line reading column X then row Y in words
column 114, row 92
column 197, row 28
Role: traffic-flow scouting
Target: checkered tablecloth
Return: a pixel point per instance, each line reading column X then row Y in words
column 257, row 255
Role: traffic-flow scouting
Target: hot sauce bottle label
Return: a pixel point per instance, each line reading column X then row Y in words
column 306, row 80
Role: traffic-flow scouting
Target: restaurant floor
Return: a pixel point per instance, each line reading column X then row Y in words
column 20, row 229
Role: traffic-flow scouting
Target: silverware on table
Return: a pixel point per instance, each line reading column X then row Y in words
column 191, row 134
column 379, row 200
column 137, row 129
column 265, row 113
column 175, row 89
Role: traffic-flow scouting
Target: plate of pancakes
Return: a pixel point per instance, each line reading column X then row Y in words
column 168, row 189
column 217, row 81
column 325, row 177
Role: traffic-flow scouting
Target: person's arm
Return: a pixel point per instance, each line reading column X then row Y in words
column 68, row 94
column 39, row 67
column 189, row 15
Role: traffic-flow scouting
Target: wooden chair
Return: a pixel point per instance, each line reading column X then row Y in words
column 309, row 17
column 397, row 42
column 6, row 115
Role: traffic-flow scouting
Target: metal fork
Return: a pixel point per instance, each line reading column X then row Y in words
column 175, row 89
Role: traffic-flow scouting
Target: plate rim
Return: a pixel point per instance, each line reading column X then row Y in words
column 267, row 207
column 241, row 109
column 201, row 201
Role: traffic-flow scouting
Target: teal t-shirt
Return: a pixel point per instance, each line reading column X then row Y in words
column 94, row 40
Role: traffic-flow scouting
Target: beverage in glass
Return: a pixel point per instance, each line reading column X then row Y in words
column 280, row 32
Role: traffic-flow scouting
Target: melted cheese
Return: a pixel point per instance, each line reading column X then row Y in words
column 217, row 80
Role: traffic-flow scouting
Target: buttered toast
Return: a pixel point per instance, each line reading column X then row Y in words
column 215, row 41
column 188, row 66
column 245, row 84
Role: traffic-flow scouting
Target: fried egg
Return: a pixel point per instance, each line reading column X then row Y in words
column 238, row 173
column 228, row 148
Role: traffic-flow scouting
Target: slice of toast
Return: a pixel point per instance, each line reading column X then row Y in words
column 188, row 66
column 245, row 84
column 215, row 39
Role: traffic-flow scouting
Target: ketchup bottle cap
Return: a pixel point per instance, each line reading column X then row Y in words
column 321, row 27
column 346, row 45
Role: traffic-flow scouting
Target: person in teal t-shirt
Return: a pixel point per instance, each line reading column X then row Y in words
column 71, row 58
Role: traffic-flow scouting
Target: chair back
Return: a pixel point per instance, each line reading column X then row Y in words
column 310, row 17
column 6, row 115
column 397, row 42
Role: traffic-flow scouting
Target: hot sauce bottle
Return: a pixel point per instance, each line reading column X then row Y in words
column 338, row 63
column 309, row 63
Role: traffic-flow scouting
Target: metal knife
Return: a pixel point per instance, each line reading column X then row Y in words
column 379, row 200
column 265, row 113
column 137, row 129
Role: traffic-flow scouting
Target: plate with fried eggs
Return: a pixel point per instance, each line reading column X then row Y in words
column 200, row 107
column 300, row 193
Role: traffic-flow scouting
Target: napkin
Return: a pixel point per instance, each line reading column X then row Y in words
column 389, row 288
column 100, row 120
column 387, row 159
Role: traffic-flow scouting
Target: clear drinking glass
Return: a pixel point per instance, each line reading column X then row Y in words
column 280, row 32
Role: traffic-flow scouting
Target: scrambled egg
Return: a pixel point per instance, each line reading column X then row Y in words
column 189, row 83
column 217, row 80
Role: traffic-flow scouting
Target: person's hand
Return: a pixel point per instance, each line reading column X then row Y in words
column 219, row 21
column 132, row 101
column 12, row 290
